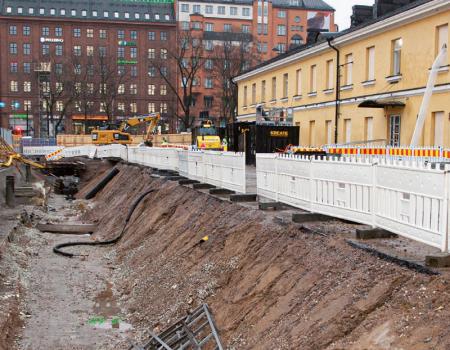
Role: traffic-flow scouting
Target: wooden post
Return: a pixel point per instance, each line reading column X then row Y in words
column 9, row 193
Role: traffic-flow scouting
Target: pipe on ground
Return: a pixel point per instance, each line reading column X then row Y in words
column 92, row 193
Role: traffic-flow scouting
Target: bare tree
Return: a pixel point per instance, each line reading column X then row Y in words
column 236, row 54
column 179, row 66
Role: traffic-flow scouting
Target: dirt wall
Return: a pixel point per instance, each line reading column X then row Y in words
column 269, row 286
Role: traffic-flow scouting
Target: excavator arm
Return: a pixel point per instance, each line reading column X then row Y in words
column 8, row 156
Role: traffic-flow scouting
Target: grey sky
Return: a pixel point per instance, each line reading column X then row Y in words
column 344, row 10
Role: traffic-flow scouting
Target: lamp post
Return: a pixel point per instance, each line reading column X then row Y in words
column 2, row 105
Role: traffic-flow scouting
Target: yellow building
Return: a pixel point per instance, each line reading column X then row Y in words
column 384, row 64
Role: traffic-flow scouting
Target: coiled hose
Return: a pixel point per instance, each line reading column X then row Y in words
column 57, row 248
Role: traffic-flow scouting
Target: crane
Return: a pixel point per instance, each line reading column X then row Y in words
column 121, row 136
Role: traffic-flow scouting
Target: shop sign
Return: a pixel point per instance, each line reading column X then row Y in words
column 51, row 40
column 278, row 133
column 127, row 43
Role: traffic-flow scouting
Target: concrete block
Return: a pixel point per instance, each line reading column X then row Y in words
column 175, row 178
column 243, row 198
column 438, row 260
column 270, row 205
column 373, row 233
column 188, row 182
column 220, row 191
column 202, row 186
column 300, row 218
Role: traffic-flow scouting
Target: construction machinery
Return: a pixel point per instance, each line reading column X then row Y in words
column 8, row 156
column 206, row 136
column 113, row 135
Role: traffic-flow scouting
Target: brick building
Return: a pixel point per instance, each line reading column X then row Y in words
column 100, row 52
column 270, row 27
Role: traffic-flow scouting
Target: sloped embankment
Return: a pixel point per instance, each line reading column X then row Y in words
column 269, row 286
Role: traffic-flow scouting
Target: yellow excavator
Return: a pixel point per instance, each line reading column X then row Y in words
column 120, row 136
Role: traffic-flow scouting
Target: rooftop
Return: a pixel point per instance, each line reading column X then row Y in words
column 110, row 10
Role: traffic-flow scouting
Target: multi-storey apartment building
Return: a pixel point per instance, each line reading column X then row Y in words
column 382, row 74
column 91, row 61
column 269, row 27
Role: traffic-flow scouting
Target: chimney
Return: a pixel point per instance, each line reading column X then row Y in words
column 383, row 7
column 361, row 14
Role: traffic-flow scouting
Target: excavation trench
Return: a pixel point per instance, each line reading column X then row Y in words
column 268, row 285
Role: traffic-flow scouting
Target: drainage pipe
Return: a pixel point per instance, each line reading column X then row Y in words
column 92, row 193
column 338, row 89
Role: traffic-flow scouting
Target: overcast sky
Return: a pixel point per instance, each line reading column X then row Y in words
column 344, row 10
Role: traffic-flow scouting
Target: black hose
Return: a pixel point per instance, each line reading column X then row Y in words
column 92, row 193
column 57, row 248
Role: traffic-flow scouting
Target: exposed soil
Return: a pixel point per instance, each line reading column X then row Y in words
column 268, row 285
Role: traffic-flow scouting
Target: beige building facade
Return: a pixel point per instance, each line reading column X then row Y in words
column 384, row 64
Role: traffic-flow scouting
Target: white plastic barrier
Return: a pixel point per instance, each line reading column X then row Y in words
column 40, row 150
column 409, row 199
column 110, row 151
column 225, row 170
column 78, row 151
column 161, row 158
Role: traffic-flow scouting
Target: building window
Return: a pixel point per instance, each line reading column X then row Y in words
column 313, row 79
column 94, row 13
column 157, row 16
column 90, row 69
column 397, row 45
column 227, row 27
column 151, row 107
column 262, row 47
column 90, row 33
column 77, row 32
column 281, row 14
column 208, row 9
column 14, row 86
column 298, row 75
column 253, row 93
column 27, row 86
column 27, row 105
column 281, row 48
column 73, row 13
column 245, row 28
column 83, row 13
column 347, row 130
column 133, row 35
column 285, row 85
column 133, row 71
column 58, row 68
column 349, row 69
column 62, row 12
column 184, row 7
column 77, row 69
column 77, row 50
column 245, row 95
column 121, row 107
column 90, row 50
column 163, row 107
column 208, row 44
column 120, row 70
column 42, row 11
column 27, row 49
column 27, row 67
column 102, row 34
column 163, row 54
column 116, row 14
column 208, row 83
column 151, row 89
column 209, row 27
column 209, row 63
column 151, row 53
column 9, row 9
column 45, row 49
column 163, row 90
column 208, row 101
column 221, row 10
column 370, row 63
column 105, row 14
column 151, row 71
column 274, row 88
column 281, row 29
column 58, row 50
column 196, row 25
column 26, row 30
column 196, row 9
column 13, row 67
column 31, row 10
column 12, row 30
column 151, row 36
column 394, row 130
column 121, row 34
column 368, row 129
column 58, row 32
column 246, row 12
column 164, row 71
column 330, row 74
column 127, row 15
column 233, row 11
column 442, row 39
column 102, row 51
column 45, row 31
column 133, row 52
column 133, row 89
column 13, row 48
column 184, row 25
column 120, row 52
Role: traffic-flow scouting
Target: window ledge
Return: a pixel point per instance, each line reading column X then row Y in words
column 253, row 105
column 442, row 69
column 328, row 91
column 393, row 79
column 244, row 107
column 284, row 99
column 347, row 87
column 368, row 82
column 272, row 101
column 297, row 97
column 312, row 94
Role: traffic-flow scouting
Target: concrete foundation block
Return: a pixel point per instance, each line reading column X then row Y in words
column 270, row 205
column 243, row 198
column 438, row 260
column 373, row 233
column 220, row 191
column 188, row 182
column 300, row 218
column 175, row 178
column 202, row 186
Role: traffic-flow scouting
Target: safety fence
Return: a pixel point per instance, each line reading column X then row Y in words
column 408, row 198
column 222, row 169
column 7, row 136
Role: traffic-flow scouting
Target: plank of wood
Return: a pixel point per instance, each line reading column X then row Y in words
column 67, row 228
